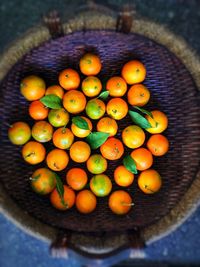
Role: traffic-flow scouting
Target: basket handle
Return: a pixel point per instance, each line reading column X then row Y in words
column 59, row 248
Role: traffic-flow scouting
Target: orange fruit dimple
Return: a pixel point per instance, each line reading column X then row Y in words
column 90, row 64
column 91, row 86
column 133, row 136
column 55, row 90
column 68, row 201
column 81, row 133
column 134, row 72
column 117, row 108
column 86, row 201
column 69, row 79
column 63, row 138
column 74, row 101
column 116, row 86
column 95, row 108
column 159, row 122
column 158, row 144
column 138, row 95
column 96, row 164
column 112, row 149
column 120, row 202
column 122, row 176
column 107, row 125
column 57, row 159
column 42, row 131
column 149, row 181
column 101, row 185
column 19, row 133
column 80, row 151
column 76, row 178
column 143, row 158
column 33, row 152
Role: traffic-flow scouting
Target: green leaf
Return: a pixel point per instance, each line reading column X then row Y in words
column 129, row 164
column 80, row 123
column 104, row 95
column 139, row 120
column 60, row 188
column 52, row 101
column 144, row 111
column 96, row 139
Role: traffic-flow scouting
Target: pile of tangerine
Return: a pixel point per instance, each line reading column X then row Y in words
column 61, row 104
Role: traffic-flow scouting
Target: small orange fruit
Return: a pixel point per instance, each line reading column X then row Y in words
column 19, row 133
column 63, row 138
column 74, row 101
column 96, row 164
column 133, row 136
column 116, row 86
column 138, row 95
column 32, row 87
column 42, row 131
column 159, row 122
column 33, row 152
column 91, row 86
column 90, row 64
column 143, row 158
column 107, row 125
column 81, row 133
column 123, row 177
column 38, row 111
column 86, row 201
column 57, row 159
column 43, row 181
column 117, row 108
column 58, row 117
column 80, row 151
column 76, row 178
column 158, row 144
column 112, row 149
column 69, row 79
column 120, row 202
column 149, row 181
column 64, row 203
column 95, row 108
column 101, row 185
column 134, row 72
column 55, row 90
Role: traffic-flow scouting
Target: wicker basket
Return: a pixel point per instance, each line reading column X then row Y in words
column 173, row 91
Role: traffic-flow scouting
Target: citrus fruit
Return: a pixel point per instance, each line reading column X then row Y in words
column 55, row 90
column 64, row 203
column 57, row 159
column 38, row 111
column 96, row 164
column 91, row 86
column 95, row 108
column 133, row 72
column 133, row 136
column 116, row 86
column 32, row 87
column 138, row 95
column 149, row 181
column 123, row 177
column 33, row 152
column 81, row 133
column 43, row 181
column 69, row 79
column 143, row 158
column 117, row 108
column 107, row 125
column 42, row 131
column 112, row 149
column 159, row 122
column 90, row 64
column 80, row 151
column 101, row 185
column 86, row 201
column 76, row 178
column 19, row 133
column 120, row 202
column 158, row 144
column 58, row 117
column 63, row 138
column 74, row 101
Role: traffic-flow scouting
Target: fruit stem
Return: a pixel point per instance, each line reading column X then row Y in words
column 128, row 204
column 146, row 187
column 30, row 154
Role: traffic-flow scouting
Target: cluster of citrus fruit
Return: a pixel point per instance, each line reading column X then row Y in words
column 74, row 108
